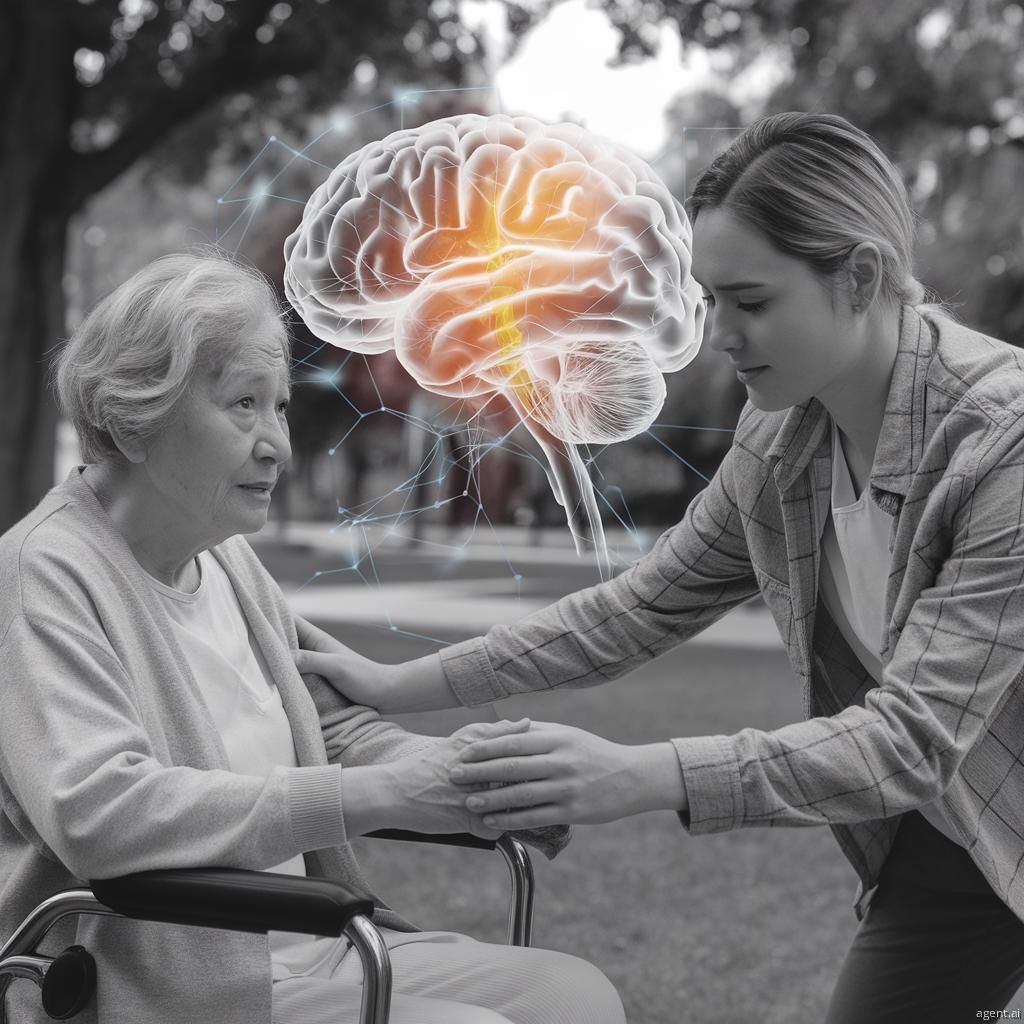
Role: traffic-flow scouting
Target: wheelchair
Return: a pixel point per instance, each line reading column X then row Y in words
column 236, row 900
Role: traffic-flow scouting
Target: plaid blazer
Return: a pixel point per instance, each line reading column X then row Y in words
column 947, row 722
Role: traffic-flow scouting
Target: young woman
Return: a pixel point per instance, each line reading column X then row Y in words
column 873, row 496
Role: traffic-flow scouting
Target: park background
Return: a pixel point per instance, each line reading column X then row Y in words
column 139, row 127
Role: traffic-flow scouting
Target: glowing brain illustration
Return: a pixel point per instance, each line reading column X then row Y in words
column 500, row 254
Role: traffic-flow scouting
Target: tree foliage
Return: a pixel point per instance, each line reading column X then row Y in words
column 94, row 85
column 940, row 85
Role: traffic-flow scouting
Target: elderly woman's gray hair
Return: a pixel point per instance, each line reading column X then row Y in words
column 125, row 367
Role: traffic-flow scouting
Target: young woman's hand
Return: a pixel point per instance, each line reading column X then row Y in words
column 416, row 792
column 557, row 774
column 418, row 685
column 359, row 679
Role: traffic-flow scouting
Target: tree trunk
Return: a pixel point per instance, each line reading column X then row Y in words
column 37, row 77
column 32, row 304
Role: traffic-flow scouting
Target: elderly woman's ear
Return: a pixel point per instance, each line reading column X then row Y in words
column 133, row 449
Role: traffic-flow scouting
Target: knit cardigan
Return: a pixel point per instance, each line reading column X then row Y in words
column 110, row 764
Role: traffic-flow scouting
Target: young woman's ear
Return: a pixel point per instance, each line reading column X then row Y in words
column 865, row 275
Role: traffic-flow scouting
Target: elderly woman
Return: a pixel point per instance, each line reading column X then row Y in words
column 153, row 716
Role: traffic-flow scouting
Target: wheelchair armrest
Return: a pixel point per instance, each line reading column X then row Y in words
column 442, row 839
column 229, row 898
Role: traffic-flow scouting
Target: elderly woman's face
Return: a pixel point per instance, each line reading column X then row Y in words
column 218, row 460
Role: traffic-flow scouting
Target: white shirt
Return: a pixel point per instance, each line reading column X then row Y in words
column 854, row 573
column 246, row 707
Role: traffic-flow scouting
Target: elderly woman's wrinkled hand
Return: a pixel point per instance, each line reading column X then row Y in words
column 432, row 802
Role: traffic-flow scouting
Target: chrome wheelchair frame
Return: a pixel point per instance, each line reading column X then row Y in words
column 235, row 900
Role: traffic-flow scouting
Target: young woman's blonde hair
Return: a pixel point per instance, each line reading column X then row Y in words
column 817, row 187
column 125, row 367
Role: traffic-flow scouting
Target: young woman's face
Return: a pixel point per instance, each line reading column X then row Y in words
column 216, row 463
column 785, row 333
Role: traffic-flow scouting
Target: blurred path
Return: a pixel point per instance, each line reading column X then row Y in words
column 450, row 585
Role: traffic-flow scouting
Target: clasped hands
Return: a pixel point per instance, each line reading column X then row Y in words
column 543, row 773
column 504, row 776
column 494, row 777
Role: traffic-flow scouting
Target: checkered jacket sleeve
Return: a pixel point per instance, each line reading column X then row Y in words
column 950, row 693
column 697, row 571
column 950, row 697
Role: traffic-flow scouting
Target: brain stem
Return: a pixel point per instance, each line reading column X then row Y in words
column 567, row 473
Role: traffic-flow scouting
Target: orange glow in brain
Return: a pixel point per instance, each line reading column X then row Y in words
column 504, row 255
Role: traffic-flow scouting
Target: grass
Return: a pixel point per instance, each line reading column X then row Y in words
column 750, row 924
